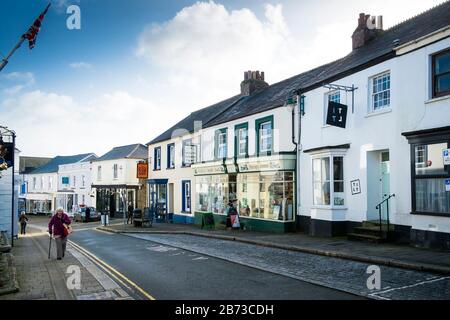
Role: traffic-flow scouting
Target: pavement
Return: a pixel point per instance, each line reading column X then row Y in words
column 394, row 255
column 40, row 278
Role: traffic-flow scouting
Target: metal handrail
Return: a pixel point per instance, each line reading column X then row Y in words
column 379, row 206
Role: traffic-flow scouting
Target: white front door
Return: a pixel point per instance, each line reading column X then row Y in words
column 385, row 181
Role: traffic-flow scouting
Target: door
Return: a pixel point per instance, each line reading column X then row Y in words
column 186, row 200
column 385, row 180
column 170, row 196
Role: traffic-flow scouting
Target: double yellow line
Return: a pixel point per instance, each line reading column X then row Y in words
column 113, row 272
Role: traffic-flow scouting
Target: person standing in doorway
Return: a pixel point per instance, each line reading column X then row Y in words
column 88, row 214
column 23, row 222
column 58, row 228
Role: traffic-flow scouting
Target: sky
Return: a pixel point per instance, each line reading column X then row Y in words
column 137, row 67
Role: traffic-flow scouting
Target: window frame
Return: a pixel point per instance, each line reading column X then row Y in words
column 331, row 156
column 157, row 159
column 258, row 123
column 115, row 171
column 237, row 141
column 420, row 141
column 327, row 99
column 435, row 94
column 217, row 134
column 184, row 143
column 372, row 94
column 171, row 157
column 99, row 173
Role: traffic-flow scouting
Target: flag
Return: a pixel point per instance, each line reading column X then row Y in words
column 33, row 31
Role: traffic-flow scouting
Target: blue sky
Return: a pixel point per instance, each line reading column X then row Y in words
column 138, row 66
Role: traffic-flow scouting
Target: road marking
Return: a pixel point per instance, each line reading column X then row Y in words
column 406, row 287
column 161, row 248
column 114, row 271
column 200, row 258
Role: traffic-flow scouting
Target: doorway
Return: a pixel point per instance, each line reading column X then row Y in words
column 378, row 182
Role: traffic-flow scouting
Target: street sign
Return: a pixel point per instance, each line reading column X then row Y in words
column 355, row 187
column 337, row 114
column 446, row 155
column 447, row 185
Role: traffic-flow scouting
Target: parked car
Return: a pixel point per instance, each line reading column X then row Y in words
column 80, row 215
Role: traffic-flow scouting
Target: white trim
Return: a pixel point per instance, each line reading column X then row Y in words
column 423, row 41
column 447, row 97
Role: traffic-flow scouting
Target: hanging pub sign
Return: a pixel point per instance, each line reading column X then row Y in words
column 142, row 170
column 337, row 114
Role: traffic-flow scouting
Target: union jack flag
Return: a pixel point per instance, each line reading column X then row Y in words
column 33, row 31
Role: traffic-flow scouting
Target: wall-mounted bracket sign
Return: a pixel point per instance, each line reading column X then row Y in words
column 447, row 185
column 351, row 89
column 356, row 187
column 337, row 114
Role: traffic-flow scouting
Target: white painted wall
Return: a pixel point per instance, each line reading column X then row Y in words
column 77, row 171
column 126, row 172
column 411, row 109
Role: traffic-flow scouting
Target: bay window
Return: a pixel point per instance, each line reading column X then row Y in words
column 328, row 181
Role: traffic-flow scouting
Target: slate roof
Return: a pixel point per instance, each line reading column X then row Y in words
column 132, row 151
column 376, row 51
column 28, row 164
column 53, row 164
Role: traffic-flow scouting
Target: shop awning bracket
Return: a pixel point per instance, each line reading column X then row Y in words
column 351, row 89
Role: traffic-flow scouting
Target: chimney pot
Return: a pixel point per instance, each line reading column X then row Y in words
column 253, row 82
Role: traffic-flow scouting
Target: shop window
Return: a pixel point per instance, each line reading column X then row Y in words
column 264, row 135
column 241, row 140
column 380, row 92
column 171, row 156
column 157, row 164
column 430, row 194
column 328, row 181
column 212, row 193
column 186, row 196
column 220, row 144
column 441, row 74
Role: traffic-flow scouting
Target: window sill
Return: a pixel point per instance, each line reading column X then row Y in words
column 432, row 214
column 329, row 207
column 437, row 99
column 378, row 112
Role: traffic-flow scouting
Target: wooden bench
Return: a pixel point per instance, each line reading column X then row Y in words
column 142, row 219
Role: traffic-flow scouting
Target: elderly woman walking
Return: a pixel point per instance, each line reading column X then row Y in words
column 59, row 227
column 23, row 222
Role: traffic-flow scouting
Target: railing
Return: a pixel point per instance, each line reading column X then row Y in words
column 379, row 208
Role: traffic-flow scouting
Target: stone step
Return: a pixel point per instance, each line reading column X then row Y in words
column 372, row 231
column 365, row 237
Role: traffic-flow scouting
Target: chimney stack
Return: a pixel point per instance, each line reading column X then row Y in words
column 253, row 82
column 369, row 27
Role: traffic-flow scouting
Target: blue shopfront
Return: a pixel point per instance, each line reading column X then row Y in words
column 157, row 199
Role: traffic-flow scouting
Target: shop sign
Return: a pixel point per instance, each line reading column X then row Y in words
column 446, row 155
column 355, row 187
column 142, row 170
column 447, row 185
column 337, row 114
column 65, row 180
column 260, row 166
column 210, row 170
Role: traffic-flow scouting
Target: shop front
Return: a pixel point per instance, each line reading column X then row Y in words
column 157, row 198
column 115, row 199
column 262, row 188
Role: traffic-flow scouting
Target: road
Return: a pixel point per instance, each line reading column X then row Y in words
column 167, row 272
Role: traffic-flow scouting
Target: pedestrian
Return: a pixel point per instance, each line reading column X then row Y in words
column 130, row 213
column 23, row 222
column 88, row 214
column 59, row 228
column 231, row 210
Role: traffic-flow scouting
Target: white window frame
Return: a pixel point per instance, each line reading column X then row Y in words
column 34, row 183
column 83, row 180
column 74, row 181
column 242, row 141
column 372, row 94
column 222, row 146
column 263, row 135
column 172, row 156
column 99, row 173
column 50, row 183
column 330, row 156
column 158, row 159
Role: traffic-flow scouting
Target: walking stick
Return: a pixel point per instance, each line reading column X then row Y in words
column 49, row 246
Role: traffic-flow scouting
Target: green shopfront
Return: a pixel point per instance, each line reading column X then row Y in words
column 263, row 187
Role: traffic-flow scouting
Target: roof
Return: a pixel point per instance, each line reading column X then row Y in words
column 28, row 164
column 132, row 151
column 376, row 51
column 53, row 164
column 204, row 115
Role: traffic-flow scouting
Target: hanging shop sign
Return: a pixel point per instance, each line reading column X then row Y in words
column 6, row 155
column 337, row 114
column 142, row 170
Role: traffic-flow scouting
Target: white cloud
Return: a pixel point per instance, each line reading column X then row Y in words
column 48, row 124
column 15, row 82
column 206, row 48
column 80, row 65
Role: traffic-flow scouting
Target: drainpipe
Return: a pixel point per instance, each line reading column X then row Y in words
column 296, row 169
column 299, row 150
